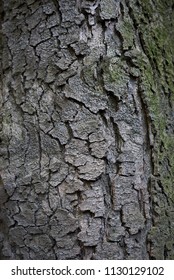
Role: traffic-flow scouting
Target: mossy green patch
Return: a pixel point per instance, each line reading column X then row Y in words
column 155, row 25
column 115, row 75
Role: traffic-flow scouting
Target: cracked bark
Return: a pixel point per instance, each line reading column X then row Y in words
column 85, row 170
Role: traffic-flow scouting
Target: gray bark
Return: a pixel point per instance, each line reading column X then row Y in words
column 78, row 141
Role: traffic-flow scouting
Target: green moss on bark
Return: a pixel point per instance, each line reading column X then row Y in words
column 155, row 25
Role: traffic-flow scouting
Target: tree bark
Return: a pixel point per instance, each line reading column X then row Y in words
column 87, row 132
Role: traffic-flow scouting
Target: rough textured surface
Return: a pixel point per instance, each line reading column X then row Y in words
column 87, row 133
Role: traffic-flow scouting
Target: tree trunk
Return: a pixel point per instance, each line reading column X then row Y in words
column 87, row 163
